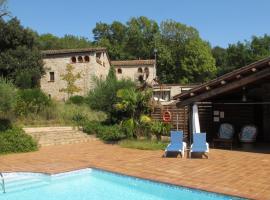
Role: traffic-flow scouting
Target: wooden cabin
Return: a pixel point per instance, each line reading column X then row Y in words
column 241, row 97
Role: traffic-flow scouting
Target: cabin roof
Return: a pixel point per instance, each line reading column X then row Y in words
column 232, row 80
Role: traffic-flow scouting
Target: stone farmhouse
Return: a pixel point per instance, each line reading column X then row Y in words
column 136, row 70
column 90, row 62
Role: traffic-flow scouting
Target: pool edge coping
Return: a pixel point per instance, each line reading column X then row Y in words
column 243, row 196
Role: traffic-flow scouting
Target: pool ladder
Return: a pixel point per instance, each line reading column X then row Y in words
column 3, row 182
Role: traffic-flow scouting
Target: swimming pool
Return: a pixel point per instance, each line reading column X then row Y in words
column 95, row 184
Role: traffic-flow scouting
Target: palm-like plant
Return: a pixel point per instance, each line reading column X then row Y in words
column 135, row 105
column 159, row 128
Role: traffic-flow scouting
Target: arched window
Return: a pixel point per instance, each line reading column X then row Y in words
column 119, row 71
column 86, row 59
column 80, row 59
column 146, row 71
column 73, row 59
column 139, row 70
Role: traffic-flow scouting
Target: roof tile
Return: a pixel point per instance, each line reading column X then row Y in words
column 132, row 62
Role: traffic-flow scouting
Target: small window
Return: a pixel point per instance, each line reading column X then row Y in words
column 73, row 60
column 146, row 70
column 119, row 71
column 80, row 59
column 51, row 76
column 98, row 55
column 139, row 70
column 86, row 59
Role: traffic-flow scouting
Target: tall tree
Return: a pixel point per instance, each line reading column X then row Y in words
column 174, row 37
column 103, row 97
column 49, row 41
column 138, row 38
column 20, row 60
column 197, row 65
column 3, row 8
column 141, row 33
column 242, row 53
column 260, row 47
column 220, row 56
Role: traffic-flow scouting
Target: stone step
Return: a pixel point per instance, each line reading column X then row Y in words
column 56, row 134
column 49, row 129
column 47, row 136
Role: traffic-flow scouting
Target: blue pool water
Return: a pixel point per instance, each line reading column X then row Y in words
column 91, row 184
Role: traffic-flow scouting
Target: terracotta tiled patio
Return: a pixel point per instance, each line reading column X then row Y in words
column 230, row 172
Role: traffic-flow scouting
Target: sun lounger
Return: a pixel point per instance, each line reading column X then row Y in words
column 177, row 145
column 199, row 144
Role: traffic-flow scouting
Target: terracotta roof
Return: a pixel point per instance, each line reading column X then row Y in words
column 68, row 51
column 229, row 77
column 132, row 62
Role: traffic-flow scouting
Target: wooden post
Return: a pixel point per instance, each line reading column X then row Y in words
column 190, row 122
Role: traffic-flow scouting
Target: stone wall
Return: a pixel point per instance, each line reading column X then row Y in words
column 132, row 72
column 57, row 64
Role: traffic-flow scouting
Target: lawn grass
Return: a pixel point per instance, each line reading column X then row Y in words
column 143, row 144
column 60, row 114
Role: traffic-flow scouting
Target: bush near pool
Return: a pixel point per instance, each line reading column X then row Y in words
column 104, row 132
column 15, row 140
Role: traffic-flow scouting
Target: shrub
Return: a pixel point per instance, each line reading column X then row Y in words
column 79, row 119
column 7, row 96
column 60, row 113
column 32, row 101
column 129, row 127
column 5, row 124
column 92, row 127
column 111, row 133
column 159, row 128
column 78, row 100
column 104, row 132
column 67, row 113
column 15, row 140
column 103, row 96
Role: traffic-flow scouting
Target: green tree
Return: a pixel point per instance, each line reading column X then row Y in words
column 49, row 41
column 220, row 56
column 8, row 94
column 242, row 53
column 141, row 33
column 174, row 37
column 138, row 38
column 135, row 105
column 260, row 47
column 134, row 102
column 113, row 36
column 20, row 60
column 103, row 96
column 198, row 65
column 3, row 8
column 70, row 79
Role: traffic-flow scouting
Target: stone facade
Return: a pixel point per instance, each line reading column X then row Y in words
column 135, row 70
column 88, row 62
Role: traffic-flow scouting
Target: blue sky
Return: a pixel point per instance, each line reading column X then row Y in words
column 219, row 21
